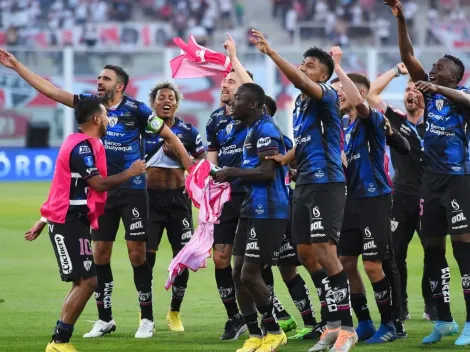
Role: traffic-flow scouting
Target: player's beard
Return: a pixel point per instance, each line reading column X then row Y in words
column 109, row 94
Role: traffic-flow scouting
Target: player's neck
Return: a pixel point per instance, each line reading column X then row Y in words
column 415, row 116
column 114, row 103
column 92, row 132
column 352, row 114
column 250, row 120
column 227, row 110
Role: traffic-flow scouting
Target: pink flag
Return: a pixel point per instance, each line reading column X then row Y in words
column 198, row 61
column 209, row 197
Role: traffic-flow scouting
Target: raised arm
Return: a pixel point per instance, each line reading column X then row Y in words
column 457, row 96
column 229, row 45
column 34, row 80
column 353, row 94
column 376, row 88
column 407, row 54
column 297, row 77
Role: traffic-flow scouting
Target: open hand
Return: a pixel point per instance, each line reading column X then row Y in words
column 260, row 42
column 418, row 98
column 7, row 59
column 35, row 231
column 426, row 87
column 277, row 158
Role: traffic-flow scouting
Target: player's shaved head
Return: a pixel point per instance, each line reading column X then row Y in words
column 458, row 67
column 271, row 106
column 254, row 92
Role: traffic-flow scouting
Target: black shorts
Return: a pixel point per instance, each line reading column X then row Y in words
column 130, row 205
column 317, row 212
column 288, row 251
column 72, row 248
column 259, row 240
column 445, row 202
column 405, row 216
column 170, row 210
column 366, row 228
column 224, row 231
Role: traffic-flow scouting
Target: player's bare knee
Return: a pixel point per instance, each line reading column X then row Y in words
column 91, row 284
column 288, row 272
column 222, row 256
column 136, row 251
column 461, row 238
column 349, row 263
column 102, row 252
column 247, row 278
column 237, row 272
column 373, row 270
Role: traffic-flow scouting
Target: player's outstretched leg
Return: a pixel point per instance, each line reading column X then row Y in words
column 439, row 279
column 222, row 255
column 73, row 306
column 461, row 250
column 104, row 289
column 284, row 319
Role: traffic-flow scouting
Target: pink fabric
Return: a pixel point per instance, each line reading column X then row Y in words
column 57, row 204
column 198, row 61
column 209, row 198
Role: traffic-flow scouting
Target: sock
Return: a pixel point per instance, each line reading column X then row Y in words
column 390, row 269
column 63, row 332
column 439, row 279
column 251, row 322
column 224, row 280
column 359, row 305
column 461, row 251
column 178, row 289
column 338, row 301
column 298, row 290
column 279, row 310
column 383, row 298
column 143, row 284
column 103, row 291
column 151, row 258
column 426, row 288
column 317, row 278
column 267, row 318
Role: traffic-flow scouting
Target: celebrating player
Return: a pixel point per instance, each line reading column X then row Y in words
column 76, row 198
column 225, row 139
column 319, row 195
column 366, row 224
column 128, row 119
column 170, row 208
column 407, row 179
column 288, row 262
column 445, row 190
column 264, row 216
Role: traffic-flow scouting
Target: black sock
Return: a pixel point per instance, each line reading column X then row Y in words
column 390, row 269
column 298, row 290
column 338, row 300
column 151, row 258
column 178, row 289
column 251, row 322
column 439, row 279
column 224, row 280
column 268, row 278
column 383, row 298
column 359, row 305
column 461, row 252
column 426, row 288
column 317, row 278
column 63, row 332
column 143, row 284
column 268, row 319
column 103, row 291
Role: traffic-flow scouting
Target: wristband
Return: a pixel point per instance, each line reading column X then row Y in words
column 43, row 219
column 397, row 71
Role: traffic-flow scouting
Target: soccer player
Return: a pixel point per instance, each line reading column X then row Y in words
column 225, row 139
column 409, row 171
column 445, row 190
column 366, row 225
column 75, row 199
column 264, row 216
column 320, row 192
column 366, row 328
column 128, row 119
column 170, row 208
column 288, row 262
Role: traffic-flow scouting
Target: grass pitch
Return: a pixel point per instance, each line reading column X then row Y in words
column 31, row 295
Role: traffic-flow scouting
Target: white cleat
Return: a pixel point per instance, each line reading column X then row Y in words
column 145, row 330
column 101, row 328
